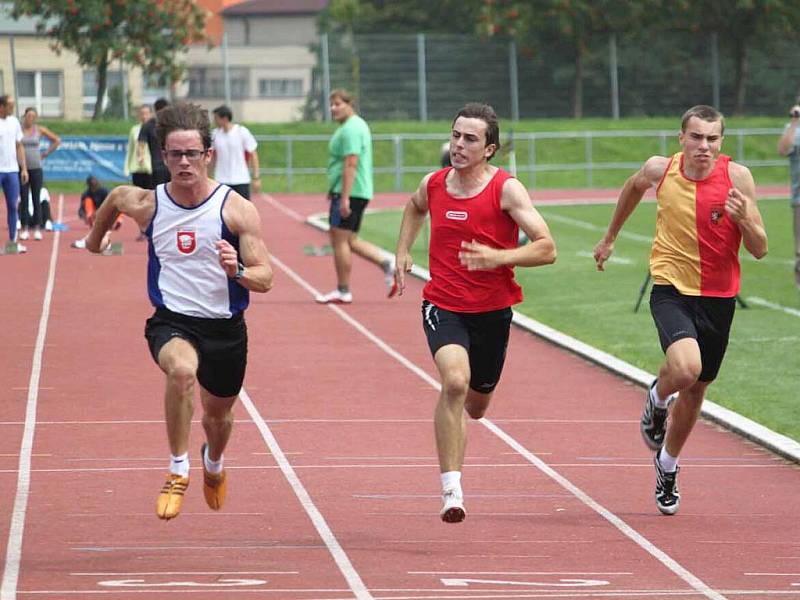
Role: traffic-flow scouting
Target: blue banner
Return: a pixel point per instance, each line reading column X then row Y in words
column 79, row 156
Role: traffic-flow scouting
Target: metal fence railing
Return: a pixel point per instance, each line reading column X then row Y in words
column 540, row 159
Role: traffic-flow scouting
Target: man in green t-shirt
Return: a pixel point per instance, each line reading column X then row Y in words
column 349, row 192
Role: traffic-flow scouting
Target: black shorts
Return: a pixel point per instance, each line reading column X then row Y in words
column 221, row 346
column 142, row 180
column 706, row 319
column 353, row 221
column 483, row 335
column 243, row 189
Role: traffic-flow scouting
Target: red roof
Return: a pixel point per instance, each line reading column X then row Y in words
column 275, row 7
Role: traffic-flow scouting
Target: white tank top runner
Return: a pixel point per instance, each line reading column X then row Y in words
column 183, row 270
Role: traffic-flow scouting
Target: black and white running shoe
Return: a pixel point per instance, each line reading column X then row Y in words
column 453, row 506
column 653, row 423
column 668, row 498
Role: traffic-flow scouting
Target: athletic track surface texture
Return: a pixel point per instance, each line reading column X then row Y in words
column 333, row 484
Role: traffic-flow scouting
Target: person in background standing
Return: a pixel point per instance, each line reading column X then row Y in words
column 31, row 136
column 13, row 168
column 149, row 140
column 349, row 192
column 789, row 145
column 137, row 160
column 235, row 149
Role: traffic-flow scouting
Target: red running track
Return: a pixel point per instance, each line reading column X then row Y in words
column 334, row 489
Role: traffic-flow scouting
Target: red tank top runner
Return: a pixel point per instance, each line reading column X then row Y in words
column 455, row 220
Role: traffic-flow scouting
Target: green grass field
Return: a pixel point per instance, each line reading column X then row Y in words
column 760, row 377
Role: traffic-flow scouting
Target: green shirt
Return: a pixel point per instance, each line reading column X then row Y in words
column 352, row 137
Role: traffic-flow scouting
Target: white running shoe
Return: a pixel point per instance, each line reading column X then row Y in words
column 24, row 234
column 37, row 235
column 49, row 225
column 453, row 506
column 335, row 297
column 81, row 243
column 21, row 249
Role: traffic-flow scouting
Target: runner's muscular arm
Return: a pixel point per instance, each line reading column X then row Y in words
column 742, row 208
column 242, row 219
column 540, row 250
column 632, row 192
column 129, row 200
column 413, row 217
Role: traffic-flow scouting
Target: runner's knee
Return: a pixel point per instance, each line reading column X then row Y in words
column 181, row 373
column 455, row 385
column 684, row 373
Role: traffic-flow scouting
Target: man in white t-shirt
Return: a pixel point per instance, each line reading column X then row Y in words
column 12, row 165
column 234, row 151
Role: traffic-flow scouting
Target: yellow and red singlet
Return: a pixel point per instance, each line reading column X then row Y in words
column 696, row 247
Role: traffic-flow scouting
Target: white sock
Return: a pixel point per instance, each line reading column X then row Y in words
column 668, row 463
column 179, row 465
column 657, row 399
column 213, row 467
column 451, row 479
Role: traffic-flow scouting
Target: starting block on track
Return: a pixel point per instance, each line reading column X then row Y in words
column 311, row 250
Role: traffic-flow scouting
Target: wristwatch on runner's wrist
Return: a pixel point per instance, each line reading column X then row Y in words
column 239, row 272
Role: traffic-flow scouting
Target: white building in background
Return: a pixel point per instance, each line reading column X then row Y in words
column 269, row 57
column 268, row 54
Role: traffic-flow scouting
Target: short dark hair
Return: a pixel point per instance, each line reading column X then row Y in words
column 703, row 112
column 90, row 179
column 224, row 112
column 3, row 100
column 160, row 103
column 484, row 112
column 343, row 95
column 183, row 116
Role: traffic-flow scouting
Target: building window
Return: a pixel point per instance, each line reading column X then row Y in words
column 280, row 88
column 113, row 82
column 41, row 90
column 209, row 82
column 155, row 87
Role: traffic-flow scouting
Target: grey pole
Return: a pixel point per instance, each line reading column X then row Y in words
column 512, row 77
column 326, row 77
column 422, row 83
column 124, row 83
column 225, row 69
column 614, row 75
column 715, row 68
column 14, row 76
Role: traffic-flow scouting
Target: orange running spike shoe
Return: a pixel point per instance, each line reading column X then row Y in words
column 170, row 499
column 214, row 486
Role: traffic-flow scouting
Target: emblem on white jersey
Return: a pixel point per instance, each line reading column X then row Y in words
column 186, row 241
column 456, row 215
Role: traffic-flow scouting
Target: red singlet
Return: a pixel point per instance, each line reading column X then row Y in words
column 455, row 220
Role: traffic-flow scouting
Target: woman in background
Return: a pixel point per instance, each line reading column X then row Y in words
column 31, row 137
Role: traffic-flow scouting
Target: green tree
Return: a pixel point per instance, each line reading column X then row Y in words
column 739, row 24
column 571, row 24
column 150, row 34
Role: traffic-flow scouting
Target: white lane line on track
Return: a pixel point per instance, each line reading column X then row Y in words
column 773, row 305
column 8, row 590
column 688, row 577
column 282, row 208
column 337, row 552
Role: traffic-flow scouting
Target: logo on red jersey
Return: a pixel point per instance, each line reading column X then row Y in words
column 456, row 215
column 186, row 241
